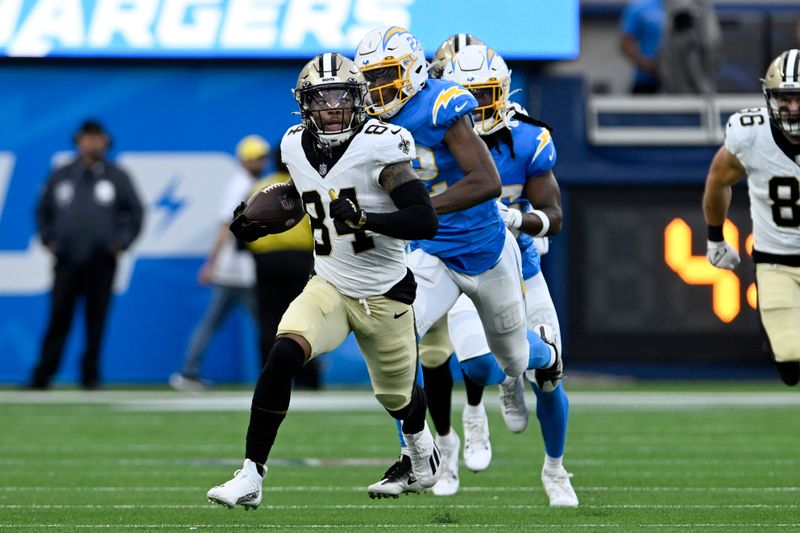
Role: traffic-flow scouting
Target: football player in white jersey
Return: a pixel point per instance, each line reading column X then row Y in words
column 763, row 144
column 358, row 187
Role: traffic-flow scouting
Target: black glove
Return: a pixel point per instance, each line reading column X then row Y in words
column 245, row 229
column 344, row 210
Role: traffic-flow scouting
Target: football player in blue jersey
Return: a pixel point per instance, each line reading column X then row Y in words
column 473, row 253
column 524, row 153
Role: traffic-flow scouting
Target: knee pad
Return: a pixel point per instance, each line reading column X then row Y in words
column 394, row 403
column 404, row 406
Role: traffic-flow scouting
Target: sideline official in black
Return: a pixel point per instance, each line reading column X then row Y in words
column 87, row 214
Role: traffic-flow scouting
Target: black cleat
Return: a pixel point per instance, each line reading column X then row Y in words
column 789, row 372
column 398, row 479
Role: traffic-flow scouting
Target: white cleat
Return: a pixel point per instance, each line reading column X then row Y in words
column 558, row 487
column 397, row 480
column 424, row 455
column 183, row 383
column 477, row 447
column 512, row 404
column 244, row 489
column 448, row 477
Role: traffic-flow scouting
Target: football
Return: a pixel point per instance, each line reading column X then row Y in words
column 277, row 207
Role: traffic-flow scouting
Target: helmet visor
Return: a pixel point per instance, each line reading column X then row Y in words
column 331, row 109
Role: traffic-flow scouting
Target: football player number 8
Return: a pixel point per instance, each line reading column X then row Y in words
column 322, row 240
column 784, row 191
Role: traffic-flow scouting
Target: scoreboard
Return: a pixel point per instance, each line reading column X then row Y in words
column 639, row 283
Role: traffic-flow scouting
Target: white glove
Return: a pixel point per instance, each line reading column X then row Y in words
column 512, row 217
column 542, row 244
column 722, row 255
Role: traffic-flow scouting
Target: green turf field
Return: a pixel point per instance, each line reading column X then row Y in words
column 708, row 458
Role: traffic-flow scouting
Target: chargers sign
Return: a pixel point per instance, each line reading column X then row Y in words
column 534, row 29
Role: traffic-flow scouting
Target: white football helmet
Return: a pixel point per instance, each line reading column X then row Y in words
column 449, row 48
column 393, row 63
column 781, row 87
column 481, row 70
column 331, row 93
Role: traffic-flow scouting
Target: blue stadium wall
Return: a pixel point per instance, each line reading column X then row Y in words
column 174, row 126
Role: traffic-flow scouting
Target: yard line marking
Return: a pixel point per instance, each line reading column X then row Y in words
column 333, row 488
column 747, row 526
column 212, row 507
column 357, row 462
column 364, row 400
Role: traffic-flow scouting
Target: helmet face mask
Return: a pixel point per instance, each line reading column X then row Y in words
column 781, row 86
column 484, row 73
column 331, row 92
column 393, row 64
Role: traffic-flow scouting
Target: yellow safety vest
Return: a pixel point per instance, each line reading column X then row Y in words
column 297, row 238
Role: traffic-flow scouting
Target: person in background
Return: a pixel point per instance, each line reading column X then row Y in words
column 229, row 269
column 690, row 47
column 284, row 262
column 87, row 215
column 640, row 40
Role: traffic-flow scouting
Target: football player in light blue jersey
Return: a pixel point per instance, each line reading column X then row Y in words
column 473, row 253
column 525, row 155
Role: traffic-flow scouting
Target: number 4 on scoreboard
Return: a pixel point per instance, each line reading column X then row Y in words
column 696, row 270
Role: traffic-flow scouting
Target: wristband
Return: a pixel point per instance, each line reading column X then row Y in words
column 516, row 218
column 715, row 233
column 545, row 222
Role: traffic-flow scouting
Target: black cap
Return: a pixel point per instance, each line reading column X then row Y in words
column 91, row 126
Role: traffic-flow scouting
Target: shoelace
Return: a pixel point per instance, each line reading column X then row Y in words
column 560, row 476
column 509, row 397
column 474, row 429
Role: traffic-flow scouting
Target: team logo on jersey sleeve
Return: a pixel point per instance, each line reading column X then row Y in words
column 544, row 140
column 447, row 96
column 404, row 146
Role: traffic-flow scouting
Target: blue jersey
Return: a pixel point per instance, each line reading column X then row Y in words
column 468, row 241
column 534, row 154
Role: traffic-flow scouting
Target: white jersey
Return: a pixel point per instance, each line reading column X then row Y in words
column 773, row 182
column 358, row 263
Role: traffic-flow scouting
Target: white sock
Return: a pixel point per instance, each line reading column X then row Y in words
column 474, row 410
column 552, row 356
column 551, row 463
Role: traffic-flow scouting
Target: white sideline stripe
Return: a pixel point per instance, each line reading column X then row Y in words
column 358, row 462
column 212, row 507
column 364, row 401
column 387, row 526
column 357, row 488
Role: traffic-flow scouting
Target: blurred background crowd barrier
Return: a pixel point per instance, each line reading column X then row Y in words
column 179, row 82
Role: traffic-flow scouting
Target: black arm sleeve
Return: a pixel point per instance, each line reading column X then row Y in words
column 414, row 219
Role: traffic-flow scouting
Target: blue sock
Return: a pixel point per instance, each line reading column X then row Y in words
column 552, row 409
column 540, row 353
column 400, row 433
column 483, row 370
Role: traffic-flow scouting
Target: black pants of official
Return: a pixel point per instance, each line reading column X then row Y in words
column 280, row 278
column 92, row 280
